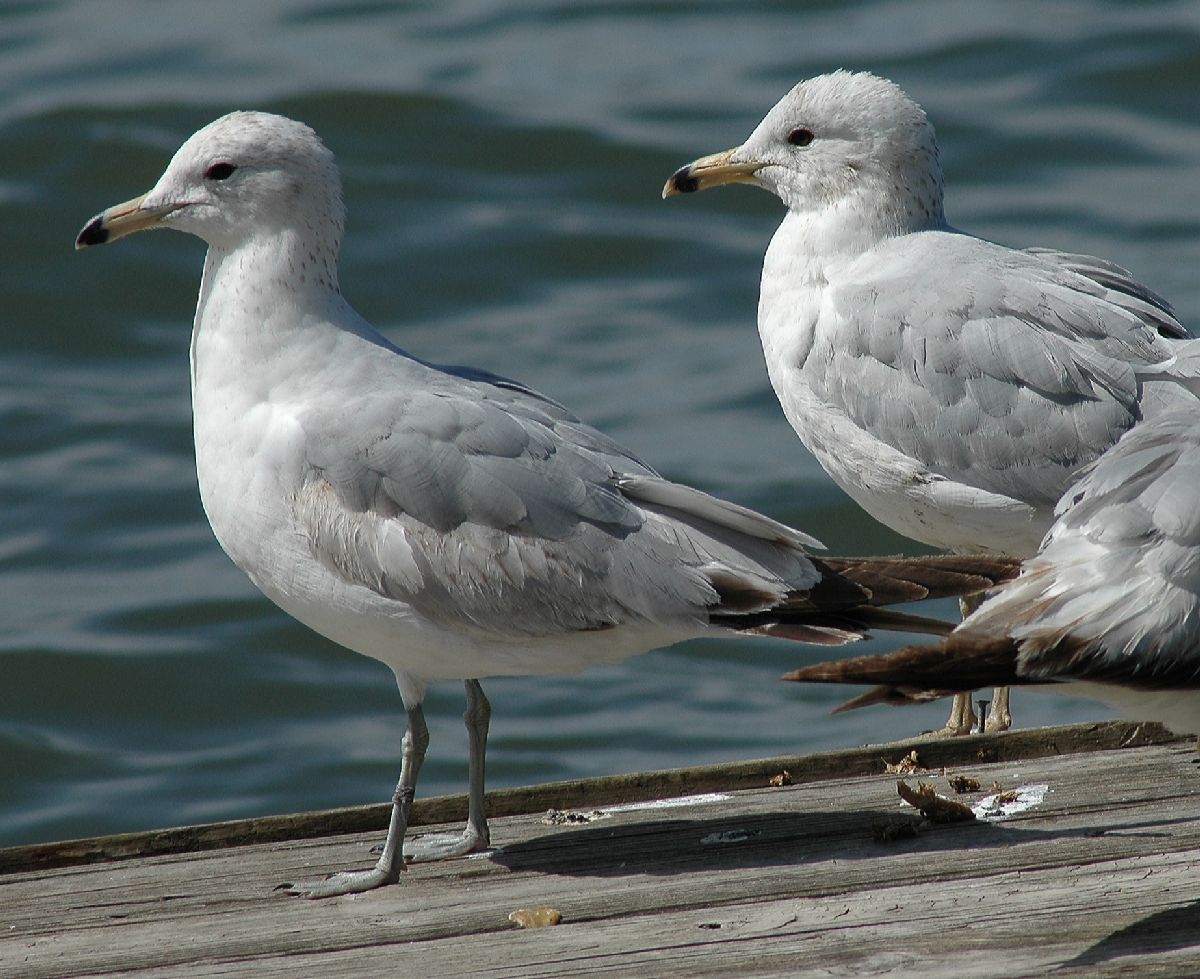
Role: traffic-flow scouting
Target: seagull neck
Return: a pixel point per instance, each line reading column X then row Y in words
column 284, row 259
column 270, row 281
column 816, row 238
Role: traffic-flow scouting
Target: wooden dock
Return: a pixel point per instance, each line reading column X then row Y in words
column 1095, row 872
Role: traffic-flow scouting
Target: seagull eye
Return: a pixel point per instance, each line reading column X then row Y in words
column 800, row 136
column 219, row 171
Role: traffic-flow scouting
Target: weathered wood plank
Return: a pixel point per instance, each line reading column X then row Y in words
column 1016, row 924
column 1097, row 878
column 610, row 790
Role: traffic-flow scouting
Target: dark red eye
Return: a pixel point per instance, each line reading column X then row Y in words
column 800, row 136
column 219, row 171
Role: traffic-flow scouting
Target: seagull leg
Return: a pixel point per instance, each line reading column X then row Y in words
column 475, row 837
column 391, row 861
column 999, row 719
column 962, row 717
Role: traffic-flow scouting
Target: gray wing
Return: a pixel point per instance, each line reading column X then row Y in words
column 1120, row 288
column 491, row 510
column 1114, row 592
column 1002, row 369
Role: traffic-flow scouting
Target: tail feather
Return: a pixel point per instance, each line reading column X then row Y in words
column 916, row 674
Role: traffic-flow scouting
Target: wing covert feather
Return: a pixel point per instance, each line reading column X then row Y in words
column 1008, row 374
column 490, row 511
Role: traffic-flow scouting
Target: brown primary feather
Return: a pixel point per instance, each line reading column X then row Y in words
column 909, row 579
column 890, row 619
column 844, row 605
column 895, row 696
column 916, row 674
column 839, row 627
column 822, row 632
column 735, row 595
column 919, row 674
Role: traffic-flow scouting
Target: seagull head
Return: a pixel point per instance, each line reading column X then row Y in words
column 247, row 174
column 847, row 140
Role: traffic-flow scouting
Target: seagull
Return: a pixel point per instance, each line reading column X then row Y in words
column 449, row 522
column 1108, row 608
column 951, row 386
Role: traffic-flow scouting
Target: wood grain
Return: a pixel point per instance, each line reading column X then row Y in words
column 1098, row 879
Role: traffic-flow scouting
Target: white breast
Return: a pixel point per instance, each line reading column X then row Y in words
column 895, row 489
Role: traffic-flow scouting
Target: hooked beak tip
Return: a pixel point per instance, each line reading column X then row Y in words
column 93, row 233
column 680, row 182
column 716, row 170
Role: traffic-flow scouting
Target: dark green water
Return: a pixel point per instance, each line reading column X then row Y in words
column 503, row 163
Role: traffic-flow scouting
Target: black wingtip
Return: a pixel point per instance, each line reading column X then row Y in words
column 93, row 233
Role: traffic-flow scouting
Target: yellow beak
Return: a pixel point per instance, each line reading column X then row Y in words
column 121, row 220
column 710, row 171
